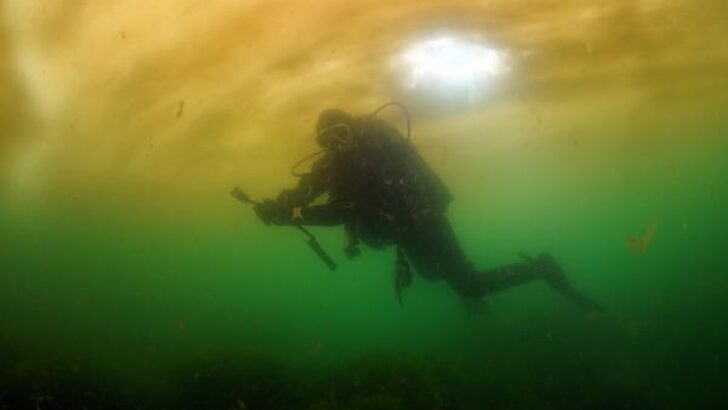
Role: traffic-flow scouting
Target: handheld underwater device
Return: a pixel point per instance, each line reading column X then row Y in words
column 241, row 196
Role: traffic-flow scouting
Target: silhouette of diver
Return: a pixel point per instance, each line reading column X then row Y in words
column 384, row 194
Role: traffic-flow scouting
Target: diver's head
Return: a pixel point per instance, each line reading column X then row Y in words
column 333, row 128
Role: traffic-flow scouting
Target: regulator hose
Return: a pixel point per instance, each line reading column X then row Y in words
column 373, row 114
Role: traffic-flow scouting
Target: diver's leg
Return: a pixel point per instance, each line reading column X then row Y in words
column 543, row 267
column 434, row 251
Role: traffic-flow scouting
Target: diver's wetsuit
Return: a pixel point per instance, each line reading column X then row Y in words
column 384, row 194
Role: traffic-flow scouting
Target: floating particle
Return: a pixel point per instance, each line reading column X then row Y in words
column 316, row 348
column 181, row 325
column 123, row 35
column 640, row 244
column 673, row 169
column 588, row 47
column 82, row 300
column 180, row 108
column 633, row 329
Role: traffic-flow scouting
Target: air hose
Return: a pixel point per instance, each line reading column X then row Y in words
column 373, row 114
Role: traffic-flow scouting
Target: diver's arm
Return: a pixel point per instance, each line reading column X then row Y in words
column 303, row 193
column 270, row 212
column 310, row 186
column 287, row 208
column 329, row 214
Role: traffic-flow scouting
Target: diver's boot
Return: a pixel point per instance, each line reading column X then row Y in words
column 550, row 270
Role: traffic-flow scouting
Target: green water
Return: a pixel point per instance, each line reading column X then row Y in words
column 120, row 307
column 130, row 279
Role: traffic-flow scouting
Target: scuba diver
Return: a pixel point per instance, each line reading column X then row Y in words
column 384, row 194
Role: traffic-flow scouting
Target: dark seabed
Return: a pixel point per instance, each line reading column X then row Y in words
column 130, row 279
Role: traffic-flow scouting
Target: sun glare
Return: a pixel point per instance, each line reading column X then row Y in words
column 451, row 62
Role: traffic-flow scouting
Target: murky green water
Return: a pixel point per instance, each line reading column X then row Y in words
column 130, row 279
column 121, row 308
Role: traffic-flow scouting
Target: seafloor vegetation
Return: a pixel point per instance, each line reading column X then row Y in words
column 380, row 381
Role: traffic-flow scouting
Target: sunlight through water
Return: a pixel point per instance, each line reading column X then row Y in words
column 452, row 63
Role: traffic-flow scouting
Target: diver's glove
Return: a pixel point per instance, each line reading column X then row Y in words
column 270, row 212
